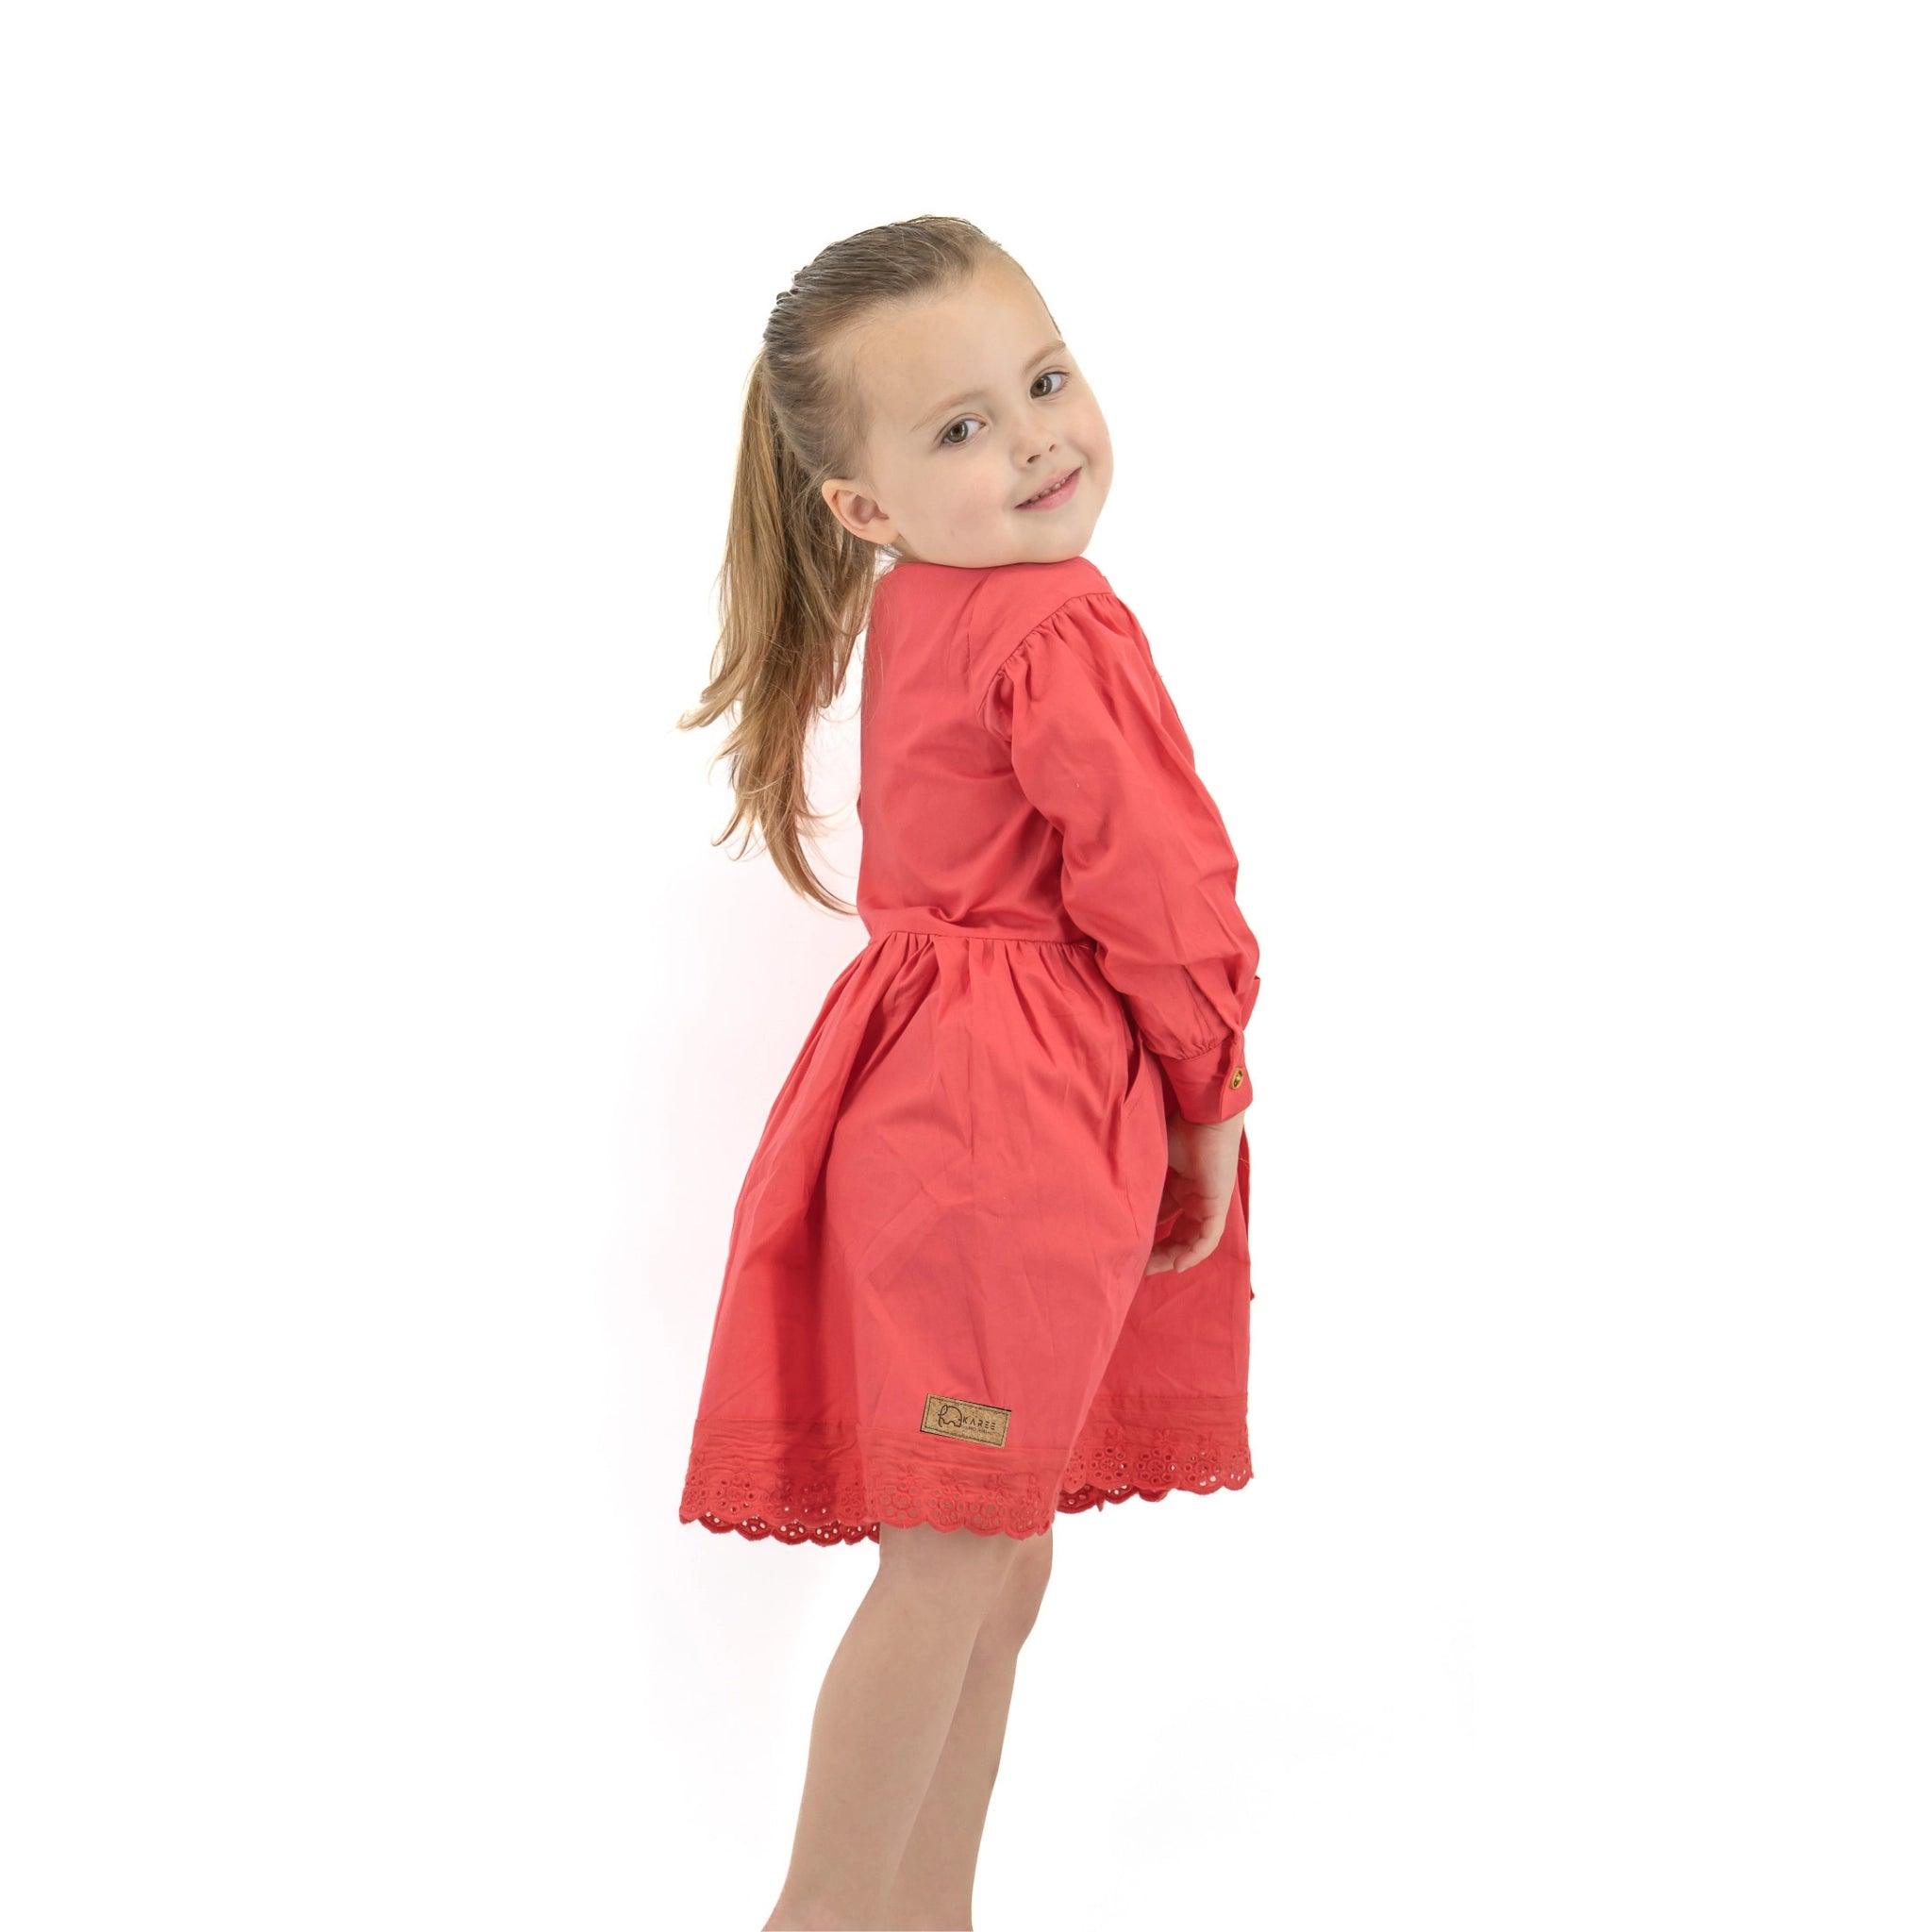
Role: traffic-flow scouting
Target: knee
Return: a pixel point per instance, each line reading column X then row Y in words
column 1017, row 1605
column 959, row 1574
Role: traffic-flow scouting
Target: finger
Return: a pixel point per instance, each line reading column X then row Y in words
column 1179, row 1249
column 1161, row 1258
column 1202, row 1244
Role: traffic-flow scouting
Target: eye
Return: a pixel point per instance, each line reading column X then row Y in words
column 1060, row 377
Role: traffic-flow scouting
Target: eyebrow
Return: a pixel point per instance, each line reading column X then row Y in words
column 973, row 395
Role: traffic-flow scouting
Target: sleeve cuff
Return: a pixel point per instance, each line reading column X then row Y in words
column 1211, row 1085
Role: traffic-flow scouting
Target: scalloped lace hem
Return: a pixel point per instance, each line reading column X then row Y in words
column 800, row 1497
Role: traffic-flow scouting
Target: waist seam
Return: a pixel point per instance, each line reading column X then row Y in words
column 981, row 932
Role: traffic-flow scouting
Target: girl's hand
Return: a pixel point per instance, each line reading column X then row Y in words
column 1200, row 1183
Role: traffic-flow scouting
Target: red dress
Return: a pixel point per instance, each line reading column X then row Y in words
column 934, row 1306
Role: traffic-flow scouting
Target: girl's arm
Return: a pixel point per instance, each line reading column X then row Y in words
column 1147, row 868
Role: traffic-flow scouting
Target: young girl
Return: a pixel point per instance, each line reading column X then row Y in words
column 989, row 1263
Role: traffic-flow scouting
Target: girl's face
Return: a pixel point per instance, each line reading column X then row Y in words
column 972, row 405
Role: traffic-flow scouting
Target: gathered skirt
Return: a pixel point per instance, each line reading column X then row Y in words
column 934, row 1306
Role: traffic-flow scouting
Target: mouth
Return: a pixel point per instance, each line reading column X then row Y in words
column 1056, row 493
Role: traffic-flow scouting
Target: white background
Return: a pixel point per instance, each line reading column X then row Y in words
column 1522, row 423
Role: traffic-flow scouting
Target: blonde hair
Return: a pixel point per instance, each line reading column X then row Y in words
column 795, row 589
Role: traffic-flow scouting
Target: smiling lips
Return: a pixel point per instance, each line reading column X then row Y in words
column 1054, row 494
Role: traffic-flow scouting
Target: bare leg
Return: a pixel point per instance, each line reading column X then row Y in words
column 883, row 1715
column 932, row 1890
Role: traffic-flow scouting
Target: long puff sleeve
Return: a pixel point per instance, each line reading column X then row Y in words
column 1146, row 868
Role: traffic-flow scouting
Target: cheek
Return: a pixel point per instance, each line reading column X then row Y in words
column 1100, row 460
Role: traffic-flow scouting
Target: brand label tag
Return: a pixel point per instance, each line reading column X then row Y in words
column 965, row 1421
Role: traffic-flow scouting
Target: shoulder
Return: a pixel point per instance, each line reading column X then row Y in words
column 1017, row 600
column 1028, row 593
column 989, row 601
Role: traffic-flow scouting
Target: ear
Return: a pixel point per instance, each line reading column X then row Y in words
column 846, row 497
